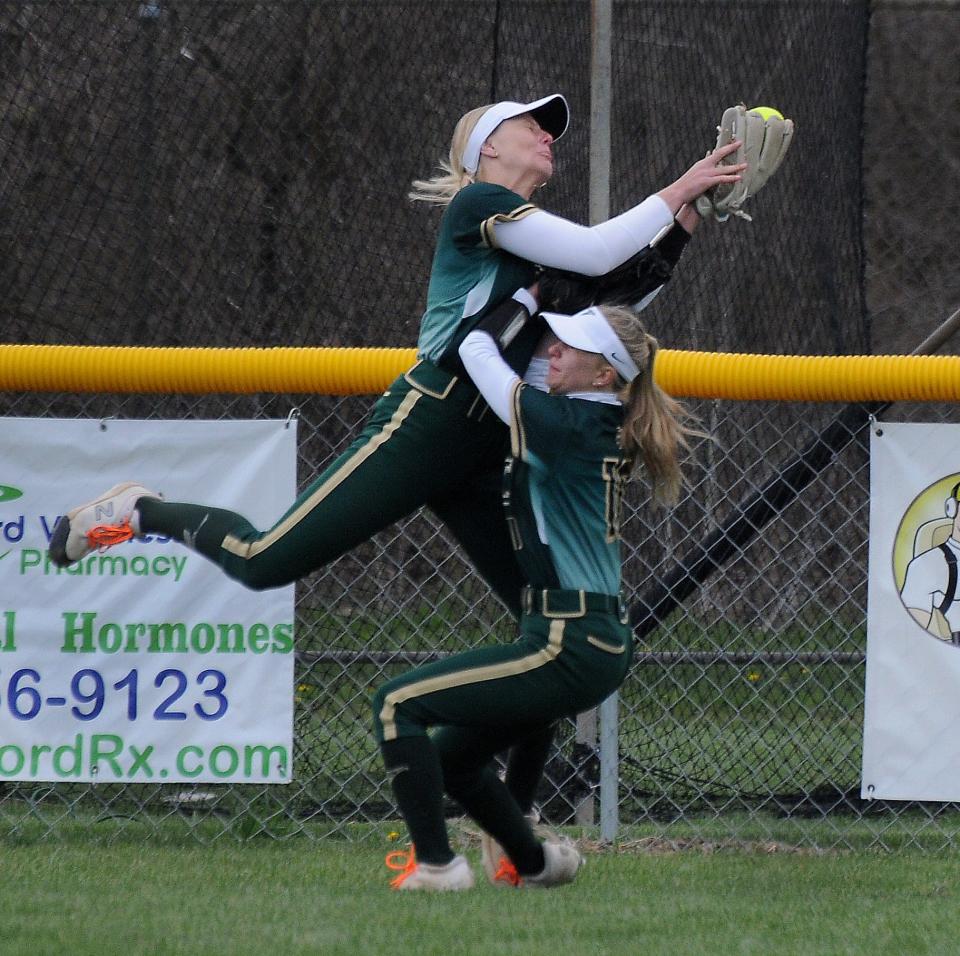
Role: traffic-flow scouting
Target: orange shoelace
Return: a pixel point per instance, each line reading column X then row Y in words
column 507, row 873
column 107, row 535
column 403, row 860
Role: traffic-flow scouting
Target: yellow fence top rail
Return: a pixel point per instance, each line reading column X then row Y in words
column 367, row 371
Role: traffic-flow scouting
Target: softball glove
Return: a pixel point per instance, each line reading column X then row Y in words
column 764, row 145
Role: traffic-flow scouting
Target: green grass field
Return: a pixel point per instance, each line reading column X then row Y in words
column 92, row 891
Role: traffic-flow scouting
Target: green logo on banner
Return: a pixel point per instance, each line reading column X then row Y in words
column 7, row 493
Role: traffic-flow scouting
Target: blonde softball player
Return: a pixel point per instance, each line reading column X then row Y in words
column 572, row 450
column 431, row 439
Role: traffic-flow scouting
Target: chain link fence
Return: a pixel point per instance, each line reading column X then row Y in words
column 178, row 172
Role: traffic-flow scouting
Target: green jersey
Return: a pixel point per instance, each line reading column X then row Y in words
column 563, row 487
column 469, row 273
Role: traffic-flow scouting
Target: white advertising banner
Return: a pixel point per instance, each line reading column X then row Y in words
column 911, row 744
column 143, row 663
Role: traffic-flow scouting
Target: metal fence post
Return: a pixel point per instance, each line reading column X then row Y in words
column 609, row 768
column 600, row 97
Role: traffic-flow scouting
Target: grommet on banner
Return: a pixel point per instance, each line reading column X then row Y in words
column 103, row 422
column 293, row 416
column 870, row 790
column 875, row 425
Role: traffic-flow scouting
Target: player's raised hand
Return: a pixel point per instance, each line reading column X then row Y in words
column 704, row 174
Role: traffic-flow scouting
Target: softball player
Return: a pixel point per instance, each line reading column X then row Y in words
column 572, row 450
column 430, row 439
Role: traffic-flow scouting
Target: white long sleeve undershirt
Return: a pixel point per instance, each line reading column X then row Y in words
column 559, row 243
column 495, row 380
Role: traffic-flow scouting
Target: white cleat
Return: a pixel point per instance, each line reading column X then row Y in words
column 497, row 865
column 101, row 523
column 455, row 875
column 562, row 860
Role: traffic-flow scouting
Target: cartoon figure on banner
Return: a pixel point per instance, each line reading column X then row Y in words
column 926, row 559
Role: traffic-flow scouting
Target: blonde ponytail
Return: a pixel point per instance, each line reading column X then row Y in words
column 654, row 430
column 441, row 188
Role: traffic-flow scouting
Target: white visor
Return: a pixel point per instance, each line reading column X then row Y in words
column 551, row 113
column 589, row 331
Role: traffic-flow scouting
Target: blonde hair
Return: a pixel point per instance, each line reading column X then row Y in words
column 655, row 429
column 442, row 187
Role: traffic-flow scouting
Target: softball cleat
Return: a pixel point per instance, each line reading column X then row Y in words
column 455, row 875
column 108, row 520
column 562, row 860
column 497, row 865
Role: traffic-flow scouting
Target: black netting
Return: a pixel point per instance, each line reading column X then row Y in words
column 235, row 173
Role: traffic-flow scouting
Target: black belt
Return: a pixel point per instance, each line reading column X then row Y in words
column 552, row 602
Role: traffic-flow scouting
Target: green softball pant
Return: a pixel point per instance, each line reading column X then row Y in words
column 487, row 699
column 429, row 441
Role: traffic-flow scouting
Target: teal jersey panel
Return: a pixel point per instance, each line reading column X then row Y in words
column 468, row 275
column 569, row 479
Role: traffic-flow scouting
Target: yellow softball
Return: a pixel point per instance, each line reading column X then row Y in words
column 766, row 112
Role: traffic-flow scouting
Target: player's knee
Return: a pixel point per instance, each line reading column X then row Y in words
column 259, row 576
